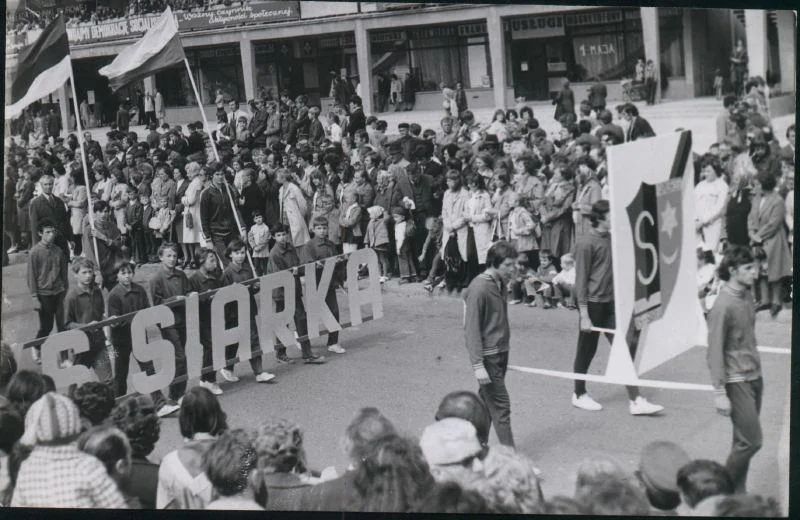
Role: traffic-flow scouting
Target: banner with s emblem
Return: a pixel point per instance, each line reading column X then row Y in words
column 654, row 261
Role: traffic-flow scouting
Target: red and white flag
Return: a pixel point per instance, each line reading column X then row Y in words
column 160, row 48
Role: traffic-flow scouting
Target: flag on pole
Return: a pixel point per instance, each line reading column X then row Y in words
column 160, row 48
column 42, row 69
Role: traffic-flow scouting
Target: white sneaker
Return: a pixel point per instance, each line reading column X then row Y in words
column 211, row 387
column 383, row 279
column 167, row 409
column 228, row 376
column 265, row 377
column 514, row 302
column 642, row 406
column 36, row 355
column 337, row 349
column 585, row 402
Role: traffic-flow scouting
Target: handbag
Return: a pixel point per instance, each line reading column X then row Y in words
column 188, row 220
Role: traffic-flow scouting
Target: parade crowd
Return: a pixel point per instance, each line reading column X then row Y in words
column 284, row 185
column 85, row 450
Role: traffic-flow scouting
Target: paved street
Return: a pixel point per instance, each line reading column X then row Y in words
column 405, row 362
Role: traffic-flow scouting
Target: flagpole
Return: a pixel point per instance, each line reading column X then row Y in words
column 216, row 155
column 83, row 160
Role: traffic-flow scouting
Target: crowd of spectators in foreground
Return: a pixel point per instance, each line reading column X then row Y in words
column 86, row 450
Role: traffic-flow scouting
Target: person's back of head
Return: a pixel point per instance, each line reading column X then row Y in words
column 614, row 497
column 393, row 478
column 593, row 472
column 25, row 388
column 111, row 447
column 451, row 498
column 201, row 413
column 11, row 426
column 562, row 505
column 510, row 483
column 136, row 417
column 230, row 462
column 367, row 426
column 94, row 400
column 700, row 479
column 747, row 506
column 468, row 406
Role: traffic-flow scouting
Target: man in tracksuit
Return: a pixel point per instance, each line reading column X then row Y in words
column 594, row 290
column 488, row 335
column 734, row 361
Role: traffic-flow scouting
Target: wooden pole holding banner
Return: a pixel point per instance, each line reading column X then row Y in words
column 239, row 225
column 83, row 161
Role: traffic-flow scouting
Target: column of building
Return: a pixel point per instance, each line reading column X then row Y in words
column 652, row 42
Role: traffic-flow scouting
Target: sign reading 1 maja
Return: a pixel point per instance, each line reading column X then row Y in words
column 250, row 13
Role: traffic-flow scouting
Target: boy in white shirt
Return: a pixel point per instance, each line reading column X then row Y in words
column 564, row 282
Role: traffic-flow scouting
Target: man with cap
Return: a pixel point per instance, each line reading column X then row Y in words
column 195, row 140
column 594, row 289
column 658, row 474
column 57, row 473
column 258, row 124
column 406, row 141
column 357, row 120
column 700, row 481
column 114, row 156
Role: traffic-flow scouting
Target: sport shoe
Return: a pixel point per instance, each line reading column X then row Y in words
column 284, row 359
column 337, row 349
column 314, row 359
column 642, row 406
column 383, row 279
column 531, row 303
column 211, row 387
column 515, row 302
column 265, row 377
column 12, row 249
column 228, row 376
column 168, row 408
column 585, row 402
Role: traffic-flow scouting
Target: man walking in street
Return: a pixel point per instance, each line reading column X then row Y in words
column 217, row 218
column 488, row 335
column 734, row 361
column 594, row 289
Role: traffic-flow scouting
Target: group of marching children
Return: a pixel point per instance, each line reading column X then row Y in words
column 83, row 304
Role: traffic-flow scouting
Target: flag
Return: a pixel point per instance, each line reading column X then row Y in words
column 160, row 48
column 42, row 69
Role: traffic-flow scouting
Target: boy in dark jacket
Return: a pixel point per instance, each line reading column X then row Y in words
column 283, row 256
column 317, row 250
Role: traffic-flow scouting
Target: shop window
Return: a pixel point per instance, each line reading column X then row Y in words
column 214, row 68
column 671, row 36
column 599, row 56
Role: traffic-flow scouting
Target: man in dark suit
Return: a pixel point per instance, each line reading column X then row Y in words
column 196, row 141
column 258, row 124
column 407, row 141
column 461, row 98
column 639, row 127
column 49, row 207
column 90, row 144
column 316, row 133
column 597, row 96
column 358, row 120
column 608, row 127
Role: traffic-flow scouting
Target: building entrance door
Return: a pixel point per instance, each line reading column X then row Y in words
column 530, row 69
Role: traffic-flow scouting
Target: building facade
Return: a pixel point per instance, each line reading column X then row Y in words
column 498, row 52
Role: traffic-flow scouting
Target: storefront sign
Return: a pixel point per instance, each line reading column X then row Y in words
column 536, row 27
column 593, row 18
column 123, row 28
column 387, row 37
column 472, row 29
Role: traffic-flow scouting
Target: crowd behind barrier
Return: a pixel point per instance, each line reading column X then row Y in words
column 293, row 185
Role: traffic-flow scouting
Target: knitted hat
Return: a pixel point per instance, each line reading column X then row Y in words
column 449, row 441
column 660, row 463
column 52, row 418
column 375, row 212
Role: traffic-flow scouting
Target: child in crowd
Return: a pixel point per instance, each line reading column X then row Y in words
column 48, row 282
column 564, row 282
column 135, row 230
column 403, row 233
column 169, row 284
column 708, row 283
column 377, row 237
column 84, row 305
column 205, row 279
column 718, row 84
column 540, row 286
column 148, row 236
column 317, row 250
column 517, row 286
column 258, row 237
column 522, row 230
column 283, row 256
column 127, row 297
column 238, row 271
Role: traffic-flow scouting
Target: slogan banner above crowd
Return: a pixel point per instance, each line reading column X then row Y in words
column 148, row 345
column 132, row 26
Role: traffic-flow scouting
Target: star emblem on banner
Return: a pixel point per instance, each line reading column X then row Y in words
column 668, row 220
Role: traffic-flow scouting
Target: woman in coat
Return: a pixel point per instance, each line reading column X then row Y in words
column 191, row 206
column 766, row 227
column 481, row 222
column 557, row 225
column 565, row 103
column 455, row 221
column 181, row 185
column 501, row 204
column 349, row 211
column 589, row 193
column 292, row 208
column 119, row 200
